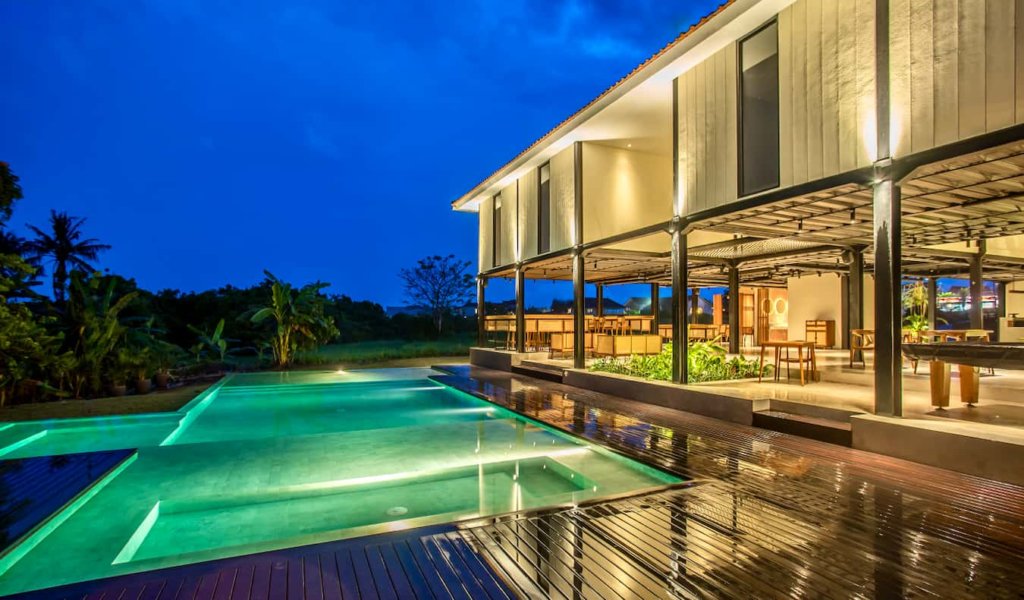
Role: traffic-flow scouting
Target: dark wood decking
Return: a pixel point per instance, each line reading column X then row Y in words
column 767, row 515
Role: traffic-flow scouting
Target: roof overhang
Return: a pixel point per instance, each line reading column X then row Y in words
column 639, row 106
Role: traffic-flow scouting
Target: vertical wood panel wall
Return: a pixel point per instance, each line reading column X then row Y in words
column 486, row 251
column 707, row 132
column 528, row 214
column 563, row 200
column 826, row 96
column 826, row 88
column 957, row 70
column 509, row 224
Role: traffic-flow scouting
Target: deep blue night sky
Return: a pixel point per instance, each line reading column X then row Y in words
column 207, row 140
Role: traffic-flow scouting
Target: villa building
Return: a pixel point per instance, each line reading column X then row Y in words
column 810, row 158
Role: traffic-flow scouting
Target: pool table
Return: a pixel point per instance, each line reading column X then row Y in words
column 969, row 356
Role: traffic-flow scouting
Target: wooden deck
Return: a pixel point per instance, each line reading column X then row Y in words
column 767, row 515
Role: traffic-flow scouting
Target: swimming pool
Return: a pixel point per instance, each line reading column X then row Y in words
column 268, row 461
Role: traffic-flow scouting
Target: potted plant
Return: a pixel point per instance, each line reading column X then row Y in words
column 118, row 369
column 915, row 302
column 142, row 365
column 165, row 356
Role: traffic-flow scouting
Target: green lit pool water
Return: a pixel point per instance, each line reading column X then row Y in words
column 268, row 461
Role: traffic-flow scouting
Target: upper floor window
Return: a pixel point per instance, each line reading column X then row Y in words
column 759, row 110
column 496, row 230
column 544, row 209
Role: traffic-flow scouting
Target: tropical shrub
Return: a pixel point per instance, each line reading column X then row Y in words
column 29, row 352
column 706, row 361
column 210, row 344
column 298, row 319
column 96, row 332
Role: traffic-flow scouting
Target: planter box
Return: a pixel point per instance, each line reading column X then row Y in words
column 689, row 398
column 626, row 345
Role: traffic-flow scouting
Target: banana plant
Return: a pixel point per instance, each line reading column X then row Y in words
column 214, row 342
column 95, row 328
column 297, row 316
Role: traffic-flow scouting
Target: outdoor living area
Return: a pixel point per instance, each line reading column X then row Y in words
column 792, row 283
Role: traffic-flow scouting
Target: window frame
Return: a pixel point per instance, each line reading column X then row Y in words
column 741, row 192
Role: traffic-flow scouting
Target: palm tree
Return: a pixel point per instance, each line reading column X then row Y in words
column 66, row 249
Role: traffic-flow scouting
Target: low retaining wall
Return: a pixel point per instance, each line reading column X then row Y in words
column 690, row 399
column 980, row 450
column 500, row 360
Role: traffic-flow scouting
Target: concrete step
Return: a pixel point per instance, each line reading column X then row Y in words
column 816, row 411
column 815, row 428
column 539, row 370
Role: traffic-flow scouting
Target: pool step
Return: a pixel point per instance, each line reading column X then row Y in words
column 812, row 427
column 539, row 370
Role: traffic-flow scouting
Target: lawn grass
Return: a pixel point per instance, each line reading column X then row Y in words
column 385, row 352
column 157, row 401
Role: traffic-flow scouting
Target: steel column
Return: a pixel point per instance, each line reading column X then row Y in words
column 977, row 288
column 694, row 304
column 734, row 309
column 579, row 312
column 887, row 237
column 680, row 313
column 520, row 310
column 855, row 297
column 481, row 312
column 599, row 309
column 888, row 299
column 844, row 310
column 655, row 294
column 932, row 285
column 1001, row 300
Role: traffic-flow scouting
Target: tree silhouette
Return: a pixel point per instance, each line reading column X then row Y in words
column 65, row 249
column 440, row 283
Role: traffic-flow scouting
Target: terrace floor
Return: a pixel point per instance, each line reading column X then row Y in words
column 766, row 515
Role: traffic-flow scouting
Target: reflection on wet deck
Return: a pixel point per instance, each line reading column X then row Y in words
column 770, row 515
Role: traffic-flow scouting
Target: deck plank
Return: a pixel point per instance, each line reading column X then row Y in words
column 329, row 580
column 364, row 576
column 431, row 579
column 346, row 574
column 260, row 587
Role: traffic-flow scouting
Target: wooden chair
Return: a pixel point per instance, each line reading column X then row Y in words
column 912, row 337
column 861, row 340
column 746, row 332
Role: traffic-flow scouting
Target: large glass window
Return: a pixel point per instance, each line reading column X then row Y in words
column 544, row 210
column 496, row 231
column 759, row 111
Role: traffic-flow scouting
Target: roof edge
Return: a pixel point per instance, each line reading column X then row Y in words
column 602, row 99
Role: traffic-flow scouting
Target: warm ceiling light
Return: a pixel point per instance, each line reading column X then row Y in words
column 799, row 226
column 853, row 216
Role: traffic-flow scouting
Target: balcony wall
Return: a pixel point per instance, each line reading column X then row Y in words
column 826, row 95
column 625, row 190
column 563, row 199
column 957, row 70
column 485, row 250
